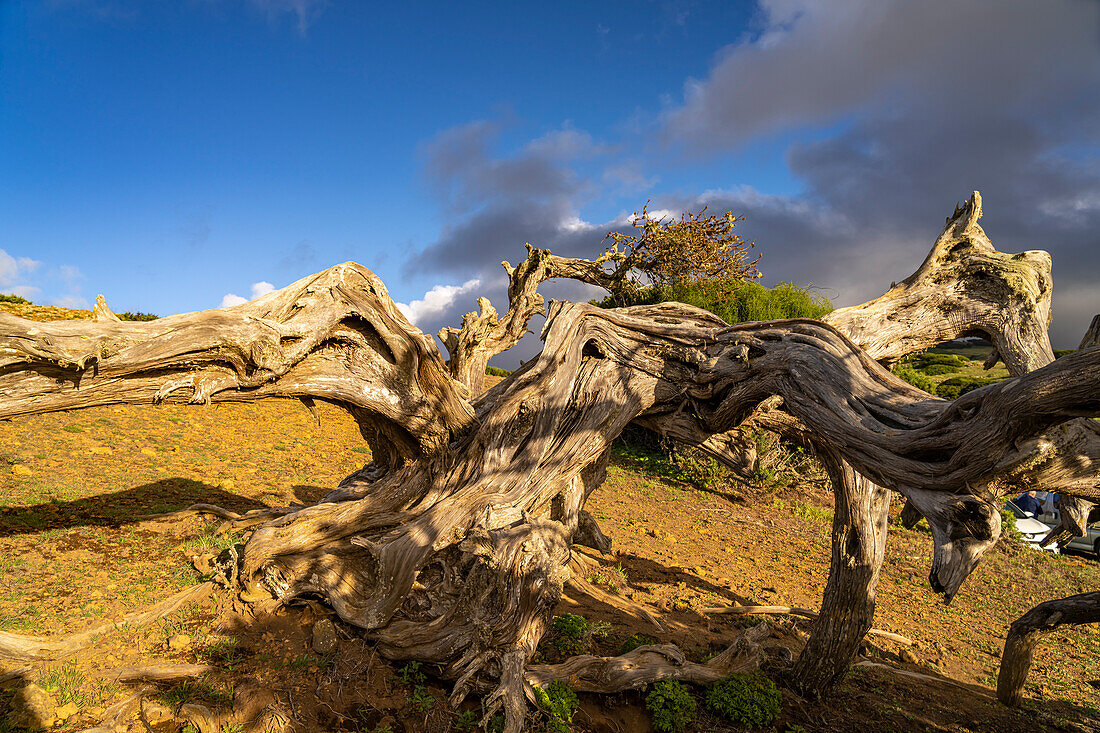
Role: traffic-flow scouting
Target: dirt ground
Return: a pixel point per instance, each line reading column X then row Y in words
column 74, row 553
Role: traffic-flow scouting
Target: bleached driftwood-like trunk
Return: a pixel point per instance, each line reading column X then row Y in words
column 453, row 546
column 965, row 287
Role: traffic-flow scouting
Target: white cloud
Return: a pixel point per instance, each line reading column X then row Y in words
column 258, row 290
column 70, row 301
column 261, row 288
column 12, row 269
column 436, row 300
column 229, row 299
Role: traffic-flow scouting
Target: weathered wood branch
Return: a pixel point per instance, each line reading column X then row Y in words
column 964, row 288
column 1024, row 635
column 335, row 336
column 647, row 664
column 485, row 334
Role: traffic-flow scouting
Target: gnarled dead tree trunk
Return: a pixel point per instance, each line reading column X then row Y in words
column 453, row 547
column 1024, row 634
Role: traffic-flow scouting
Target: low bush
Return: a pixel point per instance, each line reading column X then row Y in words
column 12, row 298
column 915, row 378
column 559, row 702
column 634, row 641
column 734, row 302
column 139, row 316
column 935, row 370
column 570, row 633
column 929, row 358
column 745, row 698
column 671, row 706
column 955, row 387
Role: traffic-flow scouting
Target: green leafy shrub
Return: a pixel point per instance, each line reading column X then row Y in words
column 634, row 641
column 955, row 387
column 559, row 702
column 139, row 316
column 671, row 706
column 12, row 298
column 497, row 371
column 936, row 370
column 570, row 634
column 915, row 378
column 930, row 358
column 745, row 698
column 734, row 302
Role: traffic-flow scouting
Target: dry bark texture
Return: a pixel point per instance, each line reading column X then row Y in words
column 453, row 546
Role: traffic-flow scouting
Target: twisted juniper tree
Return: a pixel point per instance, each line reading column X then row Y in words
column 453, row 545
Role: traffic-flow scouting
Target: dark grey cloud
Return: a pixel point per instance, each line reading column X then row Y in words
column 900, row 110
column 932, row 100
column 816, row 63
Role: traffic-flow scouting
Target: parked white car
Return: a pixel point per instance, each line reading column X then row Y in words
column 1032, row 531
column 1090, row 543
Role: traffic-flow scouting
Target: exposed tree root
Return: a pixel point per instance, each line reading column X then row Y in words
column 795, row 611
column 625, row 605
column 651, row 663
column 161, row 672
column 907, row 673
column 17, row 647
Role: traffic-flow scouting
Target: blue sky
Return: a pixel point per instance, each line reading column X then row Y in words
column 170, row 154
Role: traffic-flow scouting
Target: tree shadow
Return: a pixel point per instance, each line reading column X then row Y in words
column 119, row 508
column 641, row 570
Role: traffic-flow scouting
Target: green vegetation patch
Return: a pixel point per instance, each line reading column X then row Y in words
column 670, row 706
column 634, row 641
column 570, row 634
column 734, row 302
column 12, row 298
column 559, row 702
column 955, row 387
column 138, row 316
column 745, row 698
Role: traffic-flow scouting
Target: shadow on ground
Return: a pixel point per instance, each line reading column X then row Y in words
column 119, row 508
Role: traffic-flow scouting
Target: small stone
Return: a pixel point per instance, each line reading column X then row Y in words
column 32, row 707
column 324, row 637
column 178, row 642
column 203, row 563
column 66, row 711
column 909, row 657
column 20, row 470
